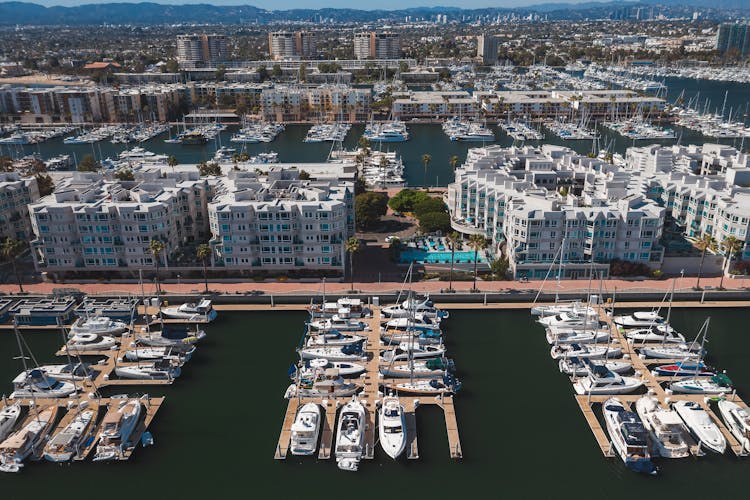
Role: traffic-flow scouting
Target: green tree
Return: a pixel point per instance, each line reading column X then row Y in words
column 262, row 73
column 453, row 239
column 303, row 72
column 477, row 242
column 87, row 164
column 433, row 222
column 276, row 71
column 172, row 66
column 406, row 199
column 45, row 184
column 172, row 162
column 220, row 72
column 304, row 175
column 124, row 174
column 731, row 247
column 426, row 159
column 156, row 248
column 10, row 251
column 429, row 205
column 369, row 207
column 705, row 242
column 206, row 169
column 352, row 246
column 500, row 267
column 454, row 161
column 203, row 253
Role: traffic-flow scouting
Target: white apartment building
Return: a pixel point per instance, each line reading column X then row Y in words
column 428, row 104
column 16, row 193
column 377, row 45
column 199, row 50
column 279, row 223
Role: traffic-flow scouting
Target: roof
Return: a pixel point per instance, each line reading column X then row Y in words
column 101, row 65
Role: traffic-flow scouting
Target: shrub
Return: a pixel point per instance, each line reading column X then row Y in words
column 619, row 267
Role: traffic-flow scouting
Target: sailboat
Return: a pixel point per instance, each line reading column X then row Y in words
column 8, row 418
column 350, row 436
column 28, row 440
column 432, row 368
column 70, row 440
column 392, row 426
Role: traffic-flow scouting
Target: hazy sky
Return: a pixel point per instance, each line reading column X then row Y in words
column 315, row 4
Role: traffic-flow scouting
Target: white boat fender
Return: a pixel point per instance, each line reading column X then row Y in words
column 667, row 401
column 626, row 356
column 70, row 404
column 668, row 392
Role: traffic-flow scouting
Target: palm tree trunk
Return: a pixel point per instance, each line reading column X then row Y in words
column 18, row 276
column 424, row 179
column 351, row 268
column 158, row 285
column 700, row 269
column 450, row 279
column 205, row 275
column 476, row 251
column 724, row 269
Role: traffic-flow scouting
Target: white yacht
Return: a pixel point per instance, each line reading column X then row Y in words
column 154, row 370
column 639, row 319
column 203, row 311
column 392, row 426
column 341, row 324
column 601, row 380
column 325, row 383
column 580, row 367
column 350, row 436
column 576, row 336
column 737, row 421
column 445, row 384
column 171, row 337
column 718, row 384
column 670, row 352
column 559, row 308
column 432, row 368
column 173, row 354
column 305, row 430
column 90, row 342
column 570, row 319
column 410, row 307
column 394, row 131
column 70, row 371
column 117, row 426
column 344, row 369
column 34, row 383
column 660, row 333
column 703, row 428
column 28, row 440
column 584, row 351
column 344, row 353
column 334, row 340
column 665, row 427
column 8, row 418
column 418, row 322
column 628, row 436
column 97, row 325
column 70, row 440
column 401, row 353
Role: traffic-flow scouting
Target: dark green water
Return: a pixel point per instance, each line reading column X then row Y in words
column 522, row 433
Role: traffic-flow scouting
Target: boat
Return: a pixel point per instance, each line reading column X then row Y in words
column 28, row 440
column 569, row 319
column 638, row 319
column 576, row 367
column 718, row 384
column 425, row 368
column 737, row 421
column 445, row 384
column 173, row 354
column 351, row 352
column 585, row 351
column 701, row 426
column 409, row 307
column 171, row 337
column 394, row 131
column 560, row 308
column 575, row 336
column 629, row 437
column 345, row 369
column 203, row 311
column 97, row 325
column 8, row 417
column 350, row 436
column 90, row 342
column 305, row 430
column 665, row 427
column 70, row 371
column 341, row 324
column 117, row 426
column 155, row 370
column 431, row 337
column 34, row 383
column 402, row 352
column 417, row 322
column 601, row 380
column 659, row 333
column 68, row 442
column 684, row 369
column 670, row 352
column 334, row 340
column 392, row 427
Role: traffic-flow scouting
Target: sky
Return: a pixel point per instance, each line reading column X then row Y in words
column 316, row 4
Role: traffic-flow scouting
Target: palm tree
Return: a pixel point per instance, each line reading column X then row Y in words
column 454, row 161
column 172, row 162
column 156, row 247
column 477, row 242
column 203, row 253
column 731, row 246
column 383, row 168
column 453, row 239
column 704, row 243
column 352, row 246
column 426, row 159
column 10, row 250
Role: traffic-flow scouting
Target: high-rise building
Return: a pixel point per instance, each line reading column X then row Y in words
column 288, row 44
column 374, row 45
column 306, row 44
column 734, row 36
column 200, row 50
column 487, row 48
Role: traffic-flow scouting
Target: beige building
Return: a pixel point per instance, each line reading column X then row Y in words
column 377, row 45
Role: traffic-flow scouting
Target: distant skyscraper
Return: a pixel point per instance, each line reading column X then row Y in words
column 373, row 45
column 288, row 44
column 201, row 50
column 487, row 48
column 734, row 36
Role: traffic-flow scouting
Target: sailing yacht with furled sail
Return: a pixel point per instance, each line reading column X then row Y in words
column 28, row 440
column 68, row 442
column 117, row 426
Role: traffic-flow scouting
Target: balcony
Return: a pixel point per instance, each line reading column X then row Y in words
column 466, row 228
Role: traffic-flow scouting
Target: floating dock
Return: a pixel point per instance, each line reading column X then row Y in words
column 370, row 397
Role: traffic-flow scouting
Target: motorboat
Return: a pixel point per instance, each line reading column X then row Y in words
column 345, row 369
column 334, row 340
column 585, row 351
column 659, row 333
column 404, row 351
column 639, row 319
column 446, row 384
column 117, row 426
column 629, row 437
column 326, row 383
column 718, row 384
column 70, row 371
column 570, row 319
column 392, row 426
column 70, row 440
column 350, row 436
column 430, row 337
column 338, row 323
column 410, row 307
column 578, row 337
column 202, row 311
column 351, row 352
column 97, row 325
column 28, row 440
column 577, row 367
column 601, row 380
column 560, row 308
column 684, row 369
column 701, row 425
column 153, row 370
column 8, row 417
column 174, row 355
column 83, row 343
column 35, row 384
column 670, row 352
column 344, row 307
column 305, row 430
column 171, row 337
column 737, row 421
column 432, row 368
column 665, row 427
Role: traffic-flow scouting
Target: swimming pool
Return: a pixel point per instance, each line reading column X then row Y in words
column 440, row 257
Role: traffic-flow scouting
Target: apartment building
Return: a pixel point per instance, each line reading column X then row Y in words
column 487, row 46
column 292, row 44
column 277, row 222
column 734, row 36
column 429, row 104
column 16, row 193
column 377, row 45
column 201, row 50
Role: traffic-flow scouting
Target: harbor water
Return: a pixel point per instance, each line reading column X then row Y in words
column 522, row 433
